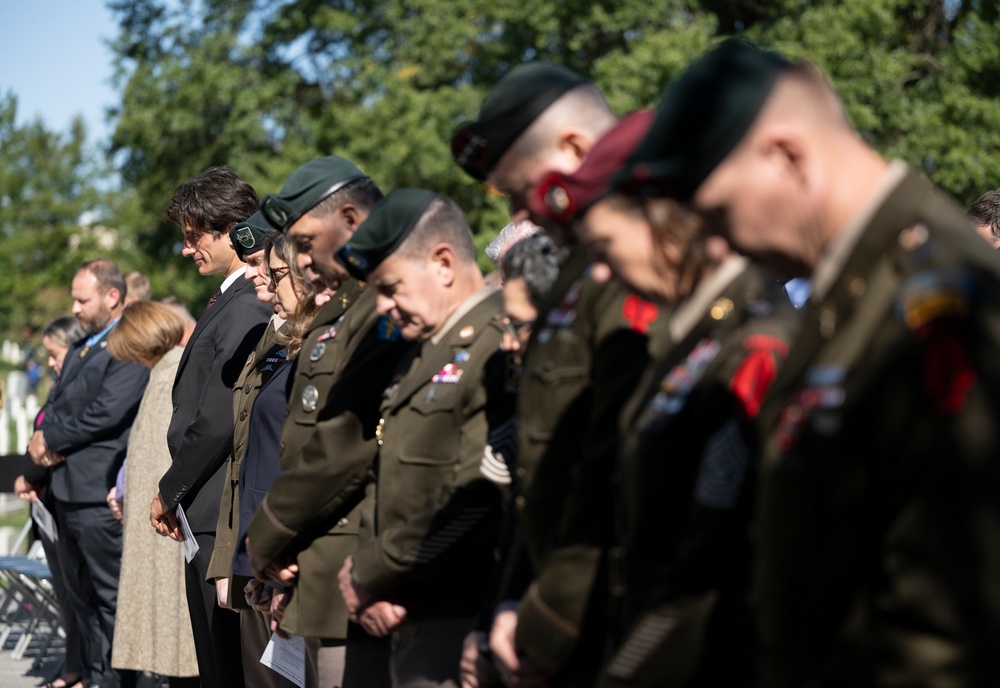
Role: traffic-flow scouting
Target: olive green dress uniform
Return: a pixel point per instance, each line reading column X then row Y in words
column 879, row 505
column 587, row 352
column 255, row 373
column 312, row 510
column 445, row 432
column 680, row 571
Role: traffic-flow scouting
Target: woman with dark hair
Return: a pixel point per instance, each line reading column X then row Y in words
column 152, row 629
column 57, row 337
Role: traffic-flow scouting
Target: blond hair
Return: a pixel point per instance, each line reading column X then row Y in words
column 147, row 330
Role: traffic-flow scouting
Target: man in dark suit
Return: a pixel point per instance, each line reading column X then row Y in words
column 83, row 436
column 201, row 430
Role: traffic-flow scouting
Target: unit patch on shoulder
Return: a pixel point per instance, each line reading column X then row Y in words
column 639, row 314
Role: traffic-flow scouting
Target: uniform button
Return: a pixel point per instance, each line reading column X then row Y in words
column 243, row 415
column 282, row 446
column 342, row 522
column 247, row 388
column 827, row 323
column 519, row 501
column 857, row 287
column 521, row 472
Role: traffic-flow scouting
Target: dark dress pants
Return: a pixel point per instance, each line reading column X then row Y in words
column 90, row 553
column 216, row 630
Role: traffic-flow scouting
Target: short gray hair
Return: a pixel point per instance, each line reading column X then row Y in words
column 508, row 236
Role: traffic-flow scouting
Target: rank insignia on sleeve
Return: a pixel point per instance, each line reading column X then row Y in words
column 388, row 330
column 450, row 374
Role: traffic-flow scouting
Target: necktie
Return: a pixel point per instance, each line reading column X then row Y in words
column 211, row 301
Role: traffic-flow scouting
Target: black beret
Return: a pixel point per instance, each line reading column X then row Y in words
column 702, row 117
column 316, row 180
column 390, row 221
column 516, row 101
column 248, row 236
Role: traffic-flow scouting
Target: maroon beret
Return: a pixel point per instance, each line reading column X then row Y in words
column 562, row 197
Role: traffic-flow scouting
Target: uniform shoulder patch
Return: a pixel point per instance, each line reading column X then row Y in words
column 639, row 314
column 933, row 295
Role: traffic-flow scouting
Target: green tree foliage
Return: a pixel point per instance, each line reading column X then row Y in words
column 45, row 192
column 264, row 87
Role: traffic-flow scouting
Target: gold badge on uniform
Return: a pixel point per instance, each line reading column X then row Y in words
column 310, row 395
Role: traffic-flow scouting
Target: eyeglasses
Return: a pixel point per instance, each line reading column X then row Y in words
column 277, row 274
column 517, row 326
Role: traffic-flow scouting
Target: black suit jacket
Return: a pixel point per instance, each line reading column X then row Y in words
column 87, row 419
column 200, row 435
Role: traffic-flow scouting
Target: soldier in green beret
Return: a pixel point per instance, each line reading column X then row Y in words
column 586, row 353
column 248, row 239
column 879, row 503
column 445, row 436
column 309, row 520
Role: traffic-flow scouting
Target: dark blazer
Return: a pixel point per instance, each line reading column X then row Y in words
column 87, row 420
column 200, row 435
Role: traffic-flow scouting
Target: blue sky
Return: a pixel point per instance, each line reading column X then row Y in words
column 53, row 58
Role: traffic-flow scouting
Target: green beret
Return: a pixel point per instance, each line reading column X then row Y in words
column 704, row 114
column 390, row 221
column 248, row 236
column 515, row 102
column 316, row 180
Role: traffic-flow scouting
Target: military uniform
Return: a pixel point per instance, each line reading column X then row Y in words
column 257, row 371
column 879, row 504
column 587, row 352
column 312, row 511
column 441, row 472
column 680, row 571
